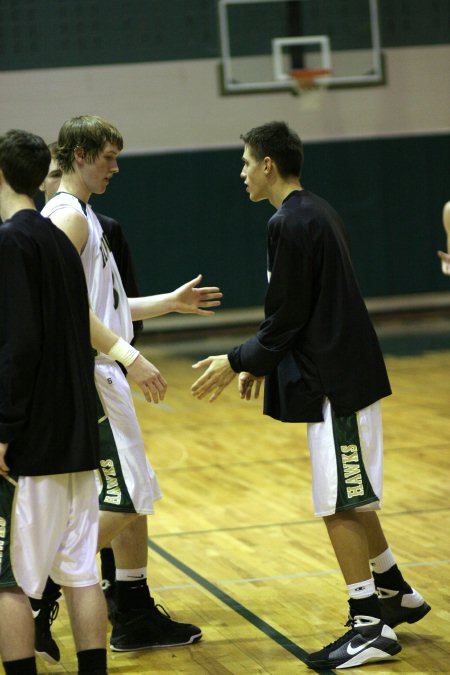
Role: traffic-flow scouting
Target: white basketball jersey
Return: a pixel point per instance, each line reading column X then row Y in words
column 107, row 295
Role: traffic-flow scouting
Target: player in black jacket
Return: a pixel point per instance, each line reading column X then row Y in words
column 322, row 364
column 48, row 426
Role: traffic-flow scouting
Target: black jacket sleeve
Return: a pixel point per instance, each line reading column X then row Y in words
column 288, row 300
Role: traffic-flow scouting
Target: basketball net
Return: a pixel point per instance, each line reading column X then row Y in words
column 308, row 79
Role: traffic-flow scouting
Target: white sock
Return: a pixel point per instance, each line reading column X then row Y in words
column 362, row 589
column 383, row 562
column 131, row 575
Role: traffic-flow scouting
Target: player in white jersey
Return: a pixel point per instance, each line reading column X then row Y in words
column 108, row 300
column 129, row 482
column 87, row 153
column 45, row 644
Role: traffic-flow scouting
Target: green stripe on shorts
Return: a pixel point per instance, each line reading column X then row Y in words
column 114, row 495
column 7, row 491
column 354, row 487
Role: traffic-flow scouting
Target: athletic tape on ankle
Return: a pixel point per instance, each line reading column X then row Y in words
column 123, row 352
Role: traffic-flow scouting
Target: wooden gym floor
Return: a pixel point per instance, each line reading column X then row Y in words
column 234, row 546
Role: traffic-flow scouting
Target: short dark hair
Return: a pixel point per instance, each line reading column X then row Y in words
column 277, row 141
column 24, row 160
column 53, row 147
column 89, row 132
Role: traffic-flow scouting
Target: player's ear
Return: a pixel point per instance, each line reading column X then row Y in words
column 268, row 165
column 78, row 153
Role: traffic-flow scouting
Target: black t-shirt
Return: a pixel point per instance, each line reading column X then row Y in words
column 47, row 390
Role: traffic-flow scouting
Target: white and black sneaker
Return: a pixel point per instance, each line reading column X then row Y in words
column 397, row 607
column 369, row 639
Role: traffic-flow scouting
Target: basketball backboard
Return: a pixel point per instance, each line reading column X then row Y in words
column 263, row 40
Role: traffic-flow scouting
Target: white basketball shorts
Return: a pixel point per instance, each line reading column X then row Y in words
column 54, row 531
column 347, row 460
column 128, row 482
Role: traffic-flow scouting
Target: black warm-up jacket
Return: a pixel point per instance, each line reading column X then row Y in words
column 317, row 339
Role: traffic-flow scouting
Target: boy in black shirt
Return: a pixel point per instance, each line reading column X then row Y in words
column 48, row 426
column 322, row 364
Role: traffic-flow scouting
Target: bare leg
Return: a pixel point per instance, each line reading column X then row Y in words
column 16, row 625
column 87, row 611
column 130, row 545
column 349, row 539
column 375, row 536
column 111, row 524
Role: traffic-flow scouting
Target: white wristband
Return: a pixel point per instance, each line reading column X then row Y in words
column 123, row 352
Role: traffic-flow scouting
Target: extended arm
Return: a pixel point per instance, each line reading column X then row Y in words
column 144, row 373
column 287, row 305
column 186, row 299
column 286, row 312
column 445, row 257
column 219, row 375
column 4, row 468
column 446, row 223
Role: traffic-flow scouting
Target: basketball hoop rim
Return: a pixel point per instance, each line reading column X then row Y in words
column 307, row 74
column 305, row 79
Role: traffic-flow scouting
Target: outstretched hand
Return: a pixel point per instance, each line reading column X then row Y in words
column 445, row 262
column 4, row 468
column 191, row 300
column 246, row 381
column 214, row 380
column 149, row 379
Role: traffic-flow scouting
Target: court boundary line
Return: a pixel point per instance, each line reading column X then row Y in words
column 293, row 523
column 236, row 606
column 294, row 575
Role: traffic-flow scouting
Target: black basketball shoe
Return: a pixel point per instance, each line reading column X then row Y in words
column 151, row 627
column 398, row 607
column 369, row 639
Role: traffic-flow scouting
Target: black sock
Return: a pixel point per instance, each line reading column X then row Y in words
column 51, row 593
column 133, row 595
column 366, row 606
column 52, row 589
column 108, row 564
column 92, row 661
column 391, row 580
column 21, row 667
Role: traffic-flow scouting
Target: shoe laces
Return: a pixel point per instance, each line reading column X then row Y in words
column 352, row 622
column 344, row 638
column 51, row 610
column 162, row 611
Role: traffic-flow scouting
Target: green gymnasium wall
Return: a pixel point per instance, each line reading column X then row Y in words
column 88, row 32
column 390, row 193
